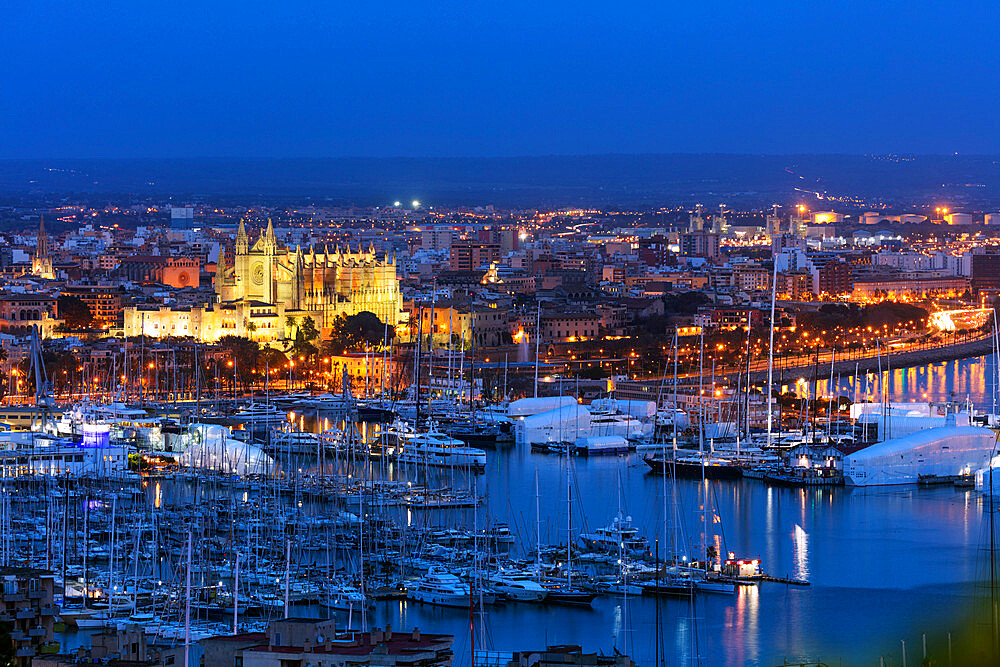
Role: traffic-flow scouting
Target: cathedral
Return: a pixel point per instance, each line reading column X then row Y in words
column 321, row 285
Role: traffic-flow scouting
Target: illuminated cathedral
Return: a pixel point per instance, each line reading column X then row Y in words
column 322, row 285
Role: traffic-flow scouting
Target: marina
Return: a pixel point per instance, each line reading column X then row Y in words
column 339, row 524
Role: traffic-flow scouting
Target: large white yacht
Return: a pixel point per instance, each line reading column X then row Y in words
column 432, row 448
column 621, row 534
column 440, row 588
column 258, row 414
column 518, row 586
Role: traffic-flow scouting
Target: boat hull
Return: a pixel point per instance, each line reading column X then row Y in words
column 693, row 470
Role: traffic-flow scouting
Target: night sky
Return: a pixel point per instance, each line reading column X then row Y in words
column 503, row 78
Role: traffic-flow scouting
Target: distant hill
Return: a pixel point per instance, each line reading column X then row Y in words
column 597, row 180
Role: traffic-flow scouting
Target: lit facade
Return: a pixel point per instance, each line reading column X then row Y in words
column 322, row 285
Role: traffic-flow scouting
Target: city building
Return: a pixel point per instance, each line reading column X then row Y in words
column 105, row 300
column 570, row 327
column 181, row 217
column 700, row 244
column 176, row 272
column 20, row 311
column 301, row 641
column 985, row 276
column 471, row 254
column 28, row 606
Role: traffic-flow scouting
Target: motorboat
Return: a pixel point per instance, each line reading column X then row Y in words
column 432, row 448
column 619, row 535
column 598, row 445
column 440, row 588
column 519, row 586
column 256, row 414
column 345, row 597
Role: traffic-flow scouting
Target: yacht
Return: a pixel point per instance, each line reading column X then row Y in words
column 432, row 448
column 518, row 586
column 296, row 442
column 259, row 415
column 440, row 588
column 345, row 597
column 293, row 442
column 606, row 422
column 619, row 535
column 597, row 445
column 694, row 465
column 668, row 417
column 560, row 592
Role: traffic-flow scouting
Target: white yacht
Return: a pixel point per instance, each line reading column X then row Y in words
column 440, row 588
column 345, row 597
column 518, row 586
column 432, row 448
column 618, row 423
column 619, row 535
column 258, row 414
column 295, row 442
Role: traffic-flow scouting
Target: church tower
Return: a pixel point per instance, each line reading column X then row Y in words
column 41, row 265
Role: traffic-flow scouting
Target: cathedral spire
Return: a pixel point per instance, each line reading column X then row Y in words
column 267, row 242
column 43, row 240
column 41, row 265
column 242, row 242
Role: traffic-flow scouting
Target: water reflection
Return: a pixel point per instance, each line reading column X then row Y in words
column 972, row 379
column 801, row 552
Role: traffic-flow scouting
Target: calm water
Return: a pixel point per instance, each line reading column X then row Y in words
column 885, row 564
column 888, row 564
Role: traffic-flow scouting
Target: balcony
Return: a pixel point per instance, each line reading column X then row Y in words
column 24, row 614
column 36, row 632
column 49, row 610
column 18, row 636
column 13, row 597
column 36, row 595
column 26, row 652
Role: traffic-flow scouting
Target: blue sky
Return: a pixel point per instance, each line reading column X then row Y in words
column 368, row 78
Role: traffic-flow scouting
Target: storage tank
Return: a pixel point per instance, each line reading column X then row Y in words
column 958, row 219
column 991, row 218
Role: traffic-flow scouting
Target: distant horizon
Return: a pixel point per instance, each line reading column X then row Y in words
column 506, row 157
column 609, row 179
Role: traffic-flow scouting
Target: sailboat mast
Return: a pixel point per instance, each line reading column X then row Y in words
column 538, row 339
column 236, row 594
column 187, row 605
column 701, row 445
column 770, row 357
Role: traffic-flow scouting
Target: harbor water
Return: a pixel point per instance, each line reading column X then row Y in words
column 884, row 565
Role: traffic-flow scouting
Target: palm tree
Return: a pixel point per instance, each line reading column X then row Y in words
column 291, row 324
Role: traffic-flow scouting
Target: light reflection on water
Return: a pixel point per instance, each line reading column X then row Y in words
column 971, row 379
